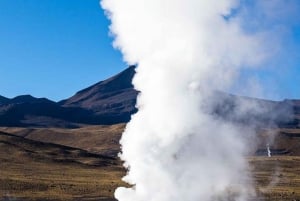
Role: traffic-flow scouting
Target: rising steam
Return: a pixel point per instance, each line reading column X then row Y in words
column 185, row 51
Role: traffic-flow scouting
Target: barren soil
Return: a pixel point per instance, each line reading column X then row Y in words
column 84, row 166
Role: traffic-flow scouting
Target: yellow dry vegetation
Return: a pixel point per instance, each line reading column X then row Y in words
column 36, row 171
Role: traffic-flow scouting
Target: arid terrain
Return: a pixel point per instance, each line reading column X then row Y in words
column 95, row 139
column 276, row 178
column 31, row 170
column 81, row 164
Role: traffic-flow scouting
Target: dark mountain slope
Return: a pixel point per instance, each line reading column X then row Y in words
column 3, row 100
column 26, row 111
column 95, row 93
column 112, row 100
column 28, row 99
column 43, row 114
column 107, row 102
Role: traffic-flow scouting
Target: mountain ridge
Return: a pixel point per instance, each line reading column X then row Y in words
column 113, row 100
column 107, row 102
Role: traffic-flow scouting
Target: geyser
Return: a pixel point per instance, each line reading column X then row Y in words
column 268, row 150
column 185, row 51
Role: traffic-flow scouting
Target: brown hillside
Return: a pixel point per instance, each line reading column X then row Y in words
column 31, row 170
column 97, row 139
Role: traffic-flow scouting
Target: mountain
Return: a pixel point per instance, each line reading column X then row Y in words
column 3, row 100
column 26, row 111
column 253, row 111
column 113, row 101
column 108, row 102
column 29, row 99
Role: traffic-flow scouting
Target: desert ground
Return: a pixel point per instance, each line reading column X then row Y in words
column 31, row 170
column 39, row 164
column 276, row 178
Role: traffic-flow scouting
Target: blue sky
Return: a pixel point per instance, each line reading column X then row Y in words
column 53, row 48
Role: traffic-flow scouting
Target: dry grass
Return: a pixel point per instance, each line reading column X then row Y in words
column 96, row 139
column 34, row 171
column 30, row 170
column 277, row 178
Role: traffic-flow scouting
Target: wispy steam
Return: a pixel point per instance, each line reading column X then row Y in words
column 185, row 52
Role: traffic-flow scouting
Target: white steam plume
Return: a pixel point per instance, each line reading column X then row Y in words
column 185, row 50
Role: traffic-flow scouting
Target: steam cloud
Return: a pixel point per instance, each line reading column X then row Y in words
column 185, row 51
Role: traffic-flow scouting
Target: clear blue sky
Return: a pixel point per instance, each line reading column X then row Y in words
column 53, row 48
